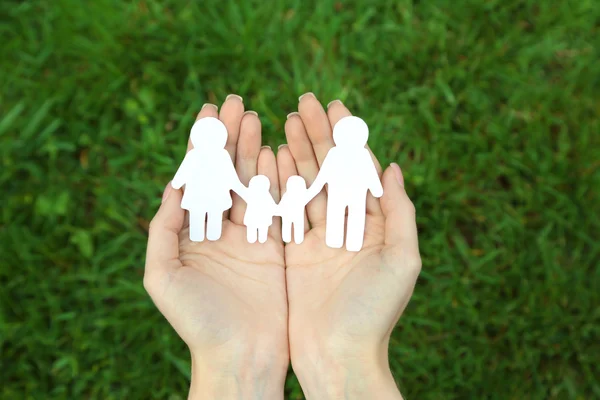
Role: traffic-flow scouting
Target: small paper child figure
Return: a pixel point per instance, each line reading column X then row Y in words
column 260, row 210
column 291, row 209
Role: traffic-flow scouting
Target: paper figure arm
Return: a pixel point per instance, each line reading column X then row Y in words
column 182, row 173
column 274, row 207
column 372, row 177
column 231, row 175
column 306, row 198
column 238, row 187
column 321, row 178
column 315, row 188
column 277, row 210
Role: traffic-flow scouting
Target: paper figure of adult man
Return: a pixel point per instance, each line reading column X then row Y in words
column 349, row 172
column 208, row 175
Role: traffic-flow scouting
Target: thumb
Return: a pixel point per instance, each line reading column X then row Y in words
column 162, row 252
column 399, row 212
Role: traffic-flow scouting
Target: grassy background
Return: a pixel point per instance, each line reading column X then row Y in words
column 490, row 106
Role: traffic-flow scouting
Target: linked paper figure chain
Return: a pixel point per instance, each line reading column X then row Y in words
column 209, row 175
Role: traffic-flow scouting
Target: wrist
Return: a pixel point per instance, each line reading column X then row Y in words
column 244, row 375
column 360, row 376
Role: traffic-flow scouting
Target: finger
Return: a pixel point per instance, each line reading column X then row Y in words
column 267, row 166
column 231, row 114
column 336, row 110
column 162, row 253
column 399, row 212
column 317, row 125
column 286, row 167
column 303, row 154
column 248, row 149
column 208, row 110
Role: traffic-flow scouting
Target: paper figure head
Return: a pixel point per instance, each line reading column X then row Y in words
column 350, row 131
column 209, row 134
column 259, row 182
column 295, row 183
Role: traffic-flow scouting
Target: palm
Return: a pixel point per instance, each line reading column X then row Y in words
column 338, row 299
column 227, row 288
column 336, row 294
column 222, row 294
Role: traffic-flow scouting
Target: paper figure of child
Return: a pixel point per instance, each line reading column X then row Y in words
column 208, row 175
column 260, row 209
column 349, row 173
column 291, row 209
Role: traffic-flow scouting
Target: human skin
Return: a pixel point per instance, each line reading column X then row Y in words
column 226, row 299
column 344, row 305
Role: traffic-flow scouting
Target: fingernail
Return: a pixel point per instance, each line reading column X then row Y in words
column 333, row 102
column 266, row 147
column 211, row 105
column 281, row 145
column 234, row 96
column 307, row 95
column 292, row 114
column 166, row 192
column 398, row 173
column 251, row 112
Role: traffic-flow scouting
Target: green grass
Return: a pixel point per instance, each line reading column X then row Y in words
column 490, row 106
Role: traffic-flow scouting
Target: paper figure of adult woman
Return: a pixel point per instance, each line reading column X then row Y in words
column 208, row 175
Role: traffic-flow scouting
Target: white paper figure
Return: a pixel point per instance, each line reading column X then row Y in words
column 260, row 209
column 208, row 175
column 291, row 208
column 349, row 172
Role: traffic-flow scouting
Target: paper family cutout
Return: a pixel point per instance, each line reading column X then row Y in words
column 209, row 175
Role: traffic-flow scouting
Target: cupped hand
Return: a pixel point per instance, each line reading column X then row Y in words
column 226, row 298
column 344, row 305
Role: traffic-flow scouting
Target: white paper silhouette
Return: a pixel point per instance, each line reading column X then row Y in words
column 208, row 175
column 260, row 209
column 349, row 173
column 291, row 209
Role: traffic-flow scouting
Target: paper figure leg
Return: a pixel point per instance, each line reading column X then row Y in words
column 299, row 230
column 251, row 234
column 286, row 230
column 214, row 226
column 334, row 229
column 197, row 226
column 356, row 225
column 263, row 234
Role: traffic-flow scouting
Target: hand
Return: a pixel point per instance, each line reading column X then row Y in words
column 344, row 305
column 226, row 299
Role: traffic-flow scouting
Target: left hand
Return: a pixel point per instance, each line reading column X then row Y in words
column 227, row 298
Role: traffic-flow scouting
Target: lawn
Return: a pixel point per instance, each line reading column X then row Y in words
column 491, row 107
